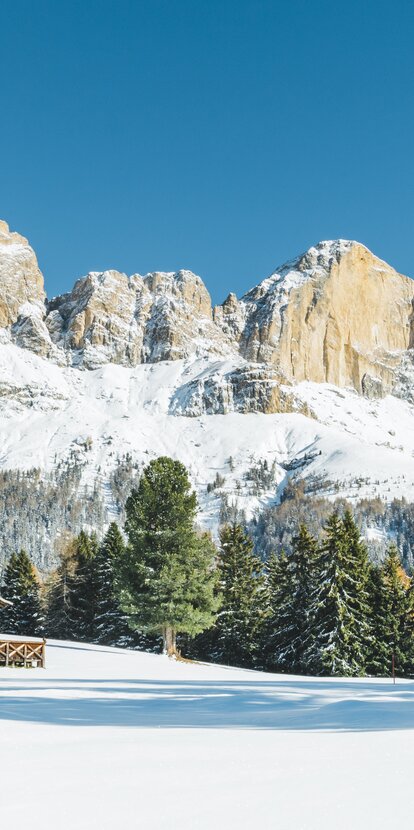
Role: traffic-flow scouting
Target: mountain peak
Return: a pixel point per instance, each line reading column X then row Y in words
column 333, row 314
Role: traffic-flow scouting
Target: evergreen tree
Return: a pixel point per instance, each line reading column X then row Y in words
column 85, row 595
column 359, row 572
column 241, row 616
column 277, row 598
column 378, row 658
column 21, row 587
column 110, row 624
column 291, row 600
column 339, row 608
column 167, row 578
column 392, row 617
column 61, row 614
column 72, row 592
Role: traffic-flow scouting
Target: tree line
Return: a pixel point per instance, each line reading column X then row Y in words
column 322, row 609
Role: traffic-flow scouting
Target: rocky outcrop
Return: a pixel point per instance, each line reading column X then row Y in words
column 101, row 320
column 21, row 282
column 109, row 317
column 334, row 315
column 249, row 388
column 337, row 314
column 180, row 320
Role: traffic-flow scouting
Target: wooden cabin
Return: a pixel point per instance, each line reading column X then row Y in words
column 29, row 652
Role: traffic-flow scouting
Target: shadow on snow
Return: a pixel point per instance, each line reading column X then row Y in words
column 278, row 704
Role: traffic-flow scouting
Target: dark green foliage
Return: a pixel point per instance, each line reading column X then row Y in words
column 304, row 502
column 291, row 586
column 339, row 613
column 392, row 618
column 21, row 587
column 71, row 592
column 110, row 624
column 277, row 598
column 85, row 604
column 236, row 635
column 167, row 579
column 379, row 655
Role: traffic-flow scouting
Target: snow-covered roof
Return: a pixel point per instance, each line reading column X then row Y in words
column 17, row 638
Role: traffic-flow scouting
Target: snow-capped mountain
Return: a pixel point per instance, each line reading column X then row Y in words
column 311, row 371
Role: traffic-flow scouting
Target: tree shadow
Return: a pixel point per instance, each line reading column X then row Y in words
column 276, row 704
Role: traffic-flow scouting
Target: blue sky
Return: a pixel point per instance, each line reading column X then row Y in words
column 222, row 136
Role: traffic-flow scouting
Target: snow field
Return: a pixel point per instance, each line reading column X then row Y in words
column 47, row 412
column 105, row 739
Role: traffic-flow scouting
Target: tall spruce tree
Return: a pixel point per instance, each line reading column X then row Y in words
column 339, row 608
column 392, row 617
column 111, row 625
column 359, row 600
column 72, row 591
column 61, row 589
column 277, row 598
column 291, row 602
column 237, row 633
column 21, row 587
column 85, row 597
column 167, row 578
column 378, row 661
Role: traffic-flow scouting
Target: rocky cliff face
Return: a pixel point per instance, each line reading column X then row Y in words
column 22, row 295
column 337, row 314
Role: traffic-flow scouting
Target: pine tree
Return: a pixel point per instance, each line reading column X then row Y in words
column 378, row 657
column 291, row 600
column 111, row 624
column 167, row 579
column 21, row 587
column 359, row 571
column 277, row 598
column 72, row 592
column 393, row 618
column 238, row 627
column 61, row 614
column 85, row 594
column 339, row 608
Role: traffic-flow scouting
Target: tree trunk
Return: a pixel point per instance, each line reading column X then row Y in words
column 169, row 644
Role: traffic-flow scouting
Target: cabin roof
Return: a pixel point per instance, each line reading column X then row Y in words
column 17, row 638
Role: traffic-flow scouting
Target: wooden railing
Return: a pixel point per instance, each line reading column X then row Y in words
column 30, row 653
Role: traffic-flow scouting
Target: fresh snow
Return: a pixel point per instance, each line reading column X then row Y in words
column 47, row 412
column 106, row 739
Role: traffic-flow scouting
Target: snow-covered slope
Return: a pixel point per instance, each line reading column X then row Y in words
column 49, row 413
column 104, row 738
column 311, row 373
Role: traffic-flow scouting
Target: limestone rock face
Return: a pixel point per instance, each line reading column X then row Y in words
column 100, row 320
column 247, row 388
column 109, row 317
column 337, row 314
column 21, row 282
column 334, row 315
column 180, row 321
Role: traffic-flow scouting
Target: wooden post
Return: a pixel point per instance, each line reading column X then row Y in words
column 393, row 668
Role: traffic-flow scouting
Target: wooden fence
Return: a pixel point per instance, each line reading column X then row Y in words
column 18, row 651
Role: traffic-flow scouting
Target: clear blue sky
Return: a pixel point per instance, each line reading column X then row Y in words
column 224, row 136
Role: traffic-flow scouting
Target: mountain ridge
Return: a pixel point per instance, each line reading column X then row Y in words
column 309, row 377
column 299, row 321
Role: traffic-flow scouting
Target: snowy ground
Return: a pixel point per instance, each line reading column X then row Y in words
column 364, row 447
column 106, row 739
